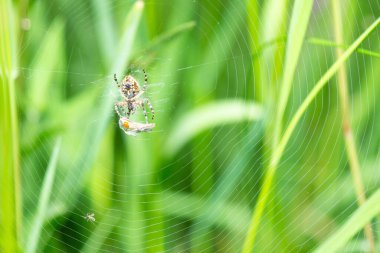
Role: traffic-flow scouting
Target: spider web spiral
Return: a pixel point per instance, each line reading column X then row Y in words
column 215, row 73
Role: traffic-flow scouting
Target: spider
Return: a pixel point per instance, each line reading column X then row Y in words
column 90, row 217
column 132, row 96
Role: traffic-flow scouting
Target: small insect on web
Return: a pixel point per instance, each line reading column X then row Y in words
column 133, row 98
column 90, row 217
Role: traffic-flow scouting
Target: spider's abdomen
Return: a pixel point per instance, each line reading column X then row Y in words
column 130, row 87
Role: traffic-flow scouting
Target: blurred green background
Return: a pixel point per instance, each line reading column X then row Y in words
column 216, row 77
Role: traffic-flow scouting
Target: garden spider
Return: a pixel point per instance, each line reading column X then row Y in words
column 131, row 92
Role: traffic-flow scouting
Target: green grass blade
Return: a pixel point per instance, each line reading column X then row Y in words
column 208, row 116
column 132, row 227
column 166, row 37
column 289, row 130
column 221, row 213
column 46, row 62
column 348, row 136
column 343, row 188
column 234, row 172
column 366, row 105
column 106, row 32
column 47, row 186
column 329, row 43
column 254, row 28
column 10, row 192
column 317, row 88
column 221, row 45
column 301, row 110
column 353, row 225
column 297, row 30
column 313, row 41
column 274, row 17
column 124, row 51
column 223, row 189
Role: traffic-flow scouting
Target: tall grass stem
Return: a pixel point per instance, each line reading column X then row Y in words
column 346, row 124
column 10, row 187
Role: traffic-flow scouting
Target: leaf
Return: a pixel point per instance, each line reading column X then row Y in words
column 10, row 192
column 353, row 225
column 297, row 30
column 46, row 62
column 209, row 116
column 318, row 87
column 47, row 186
column 189, row 206
column 166, row 37
column 329, row 43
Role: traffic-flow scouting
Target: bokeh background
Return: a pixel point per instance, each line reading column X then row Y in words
column 216, row 72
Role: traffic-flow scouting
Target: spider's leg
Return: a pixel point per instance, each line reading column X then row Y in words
column 117, row 109
column 150, row 106
column 145, row 81
column 117, row 82
column 144, row 110
column 120, row 106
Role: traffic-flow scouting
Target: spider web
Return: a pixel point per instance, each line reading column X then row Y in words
column 147, row 195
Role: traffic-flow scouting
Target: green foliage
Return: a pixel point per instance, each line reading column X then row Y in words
column 297, row 30
column 46, row 189
column 247, row 122
column 10, row 194
column 356, row 222
column 208, row 116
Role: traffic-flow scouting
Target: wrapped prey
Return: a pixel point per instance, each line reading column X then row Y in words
column 133, row 128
